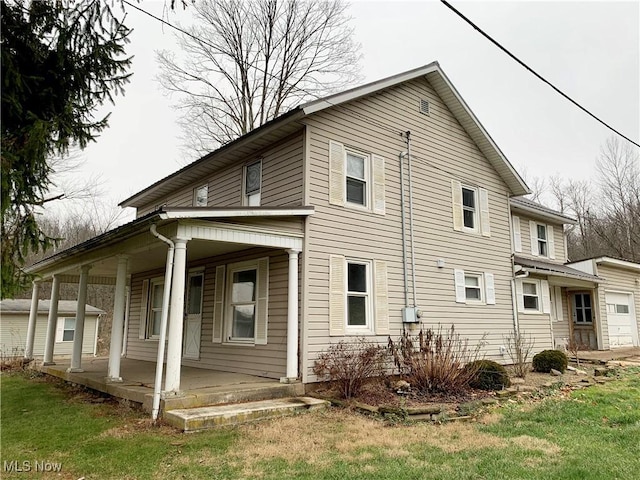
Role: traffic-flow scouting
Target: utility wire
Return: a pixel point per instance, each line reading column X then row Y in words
column 457, row 12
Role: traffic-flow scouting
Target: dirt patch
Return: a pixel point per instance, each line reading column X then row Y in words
column 136, row 427
column 534, row 443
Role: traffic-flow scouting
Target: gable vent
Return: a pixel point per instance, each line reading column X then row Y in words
column 424, row 106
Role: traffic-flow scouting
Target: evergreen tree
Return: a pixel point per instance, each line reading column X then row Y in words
column 61, row 60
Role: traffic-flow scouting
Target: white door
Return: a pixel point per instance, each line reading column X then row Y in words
column 623, row 329
column 193, row 319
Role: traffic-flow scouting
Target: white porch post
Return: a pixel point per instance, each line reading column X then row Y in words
column 117, row 324
column 176, row 317
column 292, row 316
column 31, row 327
column 78, row 334
column 52, row 322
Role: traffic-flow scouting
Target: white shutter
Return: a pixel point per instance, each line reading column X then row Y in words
column 546, row 298
column 262, row 313
column 337, row 294
column 144, row 302
column 378, row 184
column 381, row 300
column 337, row 180
column 461, row 296
column 456, row 194
column 559, row 308
column 517, row 235
column 218, row 305
column 533, row 231
column 59, row 330
column 484, row 212
column 519, row 295
column 550, row 242
column 490, row 289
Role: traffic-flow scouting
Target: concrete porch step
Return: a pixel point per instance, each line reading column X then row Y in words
column 225, row 394
column 201, row 418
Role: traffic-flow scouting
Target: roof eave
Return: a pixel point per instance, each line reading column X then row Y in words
column 540, row 213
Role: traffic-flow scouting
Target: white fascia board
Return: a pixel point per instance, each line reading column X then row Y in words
column 614, row 262
column 542, row 214
column 234, row 213
column 548, row 273
column 333, row 100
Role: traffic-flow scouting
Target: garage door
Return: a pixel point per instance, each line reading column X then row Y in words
column 620, row 317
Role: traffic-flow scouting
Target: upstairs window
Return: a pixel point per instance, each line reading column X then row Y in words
column 542, row 244
column 357, row 179
column 201, row 196
column 252, row 184
column 469, row 212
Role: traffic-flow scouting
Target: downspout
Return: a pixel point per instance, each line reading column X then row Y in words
column 157, row 386
column 404, row 233
column 413, row 252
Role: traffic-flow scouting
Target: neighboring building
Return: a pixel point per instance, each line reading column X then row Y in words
column 383, row 208
column 15, row 318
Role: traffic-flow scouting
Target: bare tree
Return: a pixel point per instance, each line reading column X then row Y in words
column 248, row 62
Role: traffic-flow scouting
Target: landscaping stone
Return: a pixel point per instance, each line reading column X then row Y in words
column 505, row 393
column 600, row 371
column 517, row 381
column 555, row 373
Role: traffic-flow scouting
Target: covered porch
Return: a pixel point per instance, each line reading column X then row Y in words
column 173, row 333
column 200, row 387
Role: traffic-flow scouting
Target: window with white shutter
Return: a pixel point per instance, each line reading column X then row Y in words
column 472, row 287
column 542, row 241
column 470, row 207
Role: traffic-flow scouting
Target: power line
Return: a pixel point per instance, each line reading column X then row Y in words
column 457, row 12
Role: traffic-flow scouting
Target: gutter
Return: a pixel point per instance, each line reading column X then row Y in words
column 157, row 385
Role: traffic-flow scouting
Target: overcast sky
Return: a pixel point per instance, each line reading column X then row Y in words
column 590, row 50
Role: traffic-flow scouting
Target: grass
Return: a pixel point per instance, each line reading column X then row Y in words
column 589, row 434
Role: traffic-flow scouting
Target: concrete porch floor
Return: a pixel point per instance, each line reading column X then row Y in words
column 200, row 387
column 603, row 356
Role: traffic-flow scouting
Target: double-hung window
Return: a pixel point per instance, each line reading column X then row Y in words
column 469, row 211
column 474, row 287
column 357, row 179
column 543, row 245
column 201, row 196
column 252, row 184
column 530, row 296
column 242, row 304
column 156, row 294
column 358, row 295
column 542, row 242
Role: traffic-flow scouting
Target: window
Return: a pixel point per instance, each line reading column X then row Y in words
column 470, row 209
column 201, row 196
column 68, row 329
column 356, row 178
column 358, row 295
column 474, row 287
column 252, row 184
column 543, row 249
column 469, row 213
column 542, row 244
column 530, row 296
column 243, row 304
column 583, row 313
column 156, row 293
column 617, row 308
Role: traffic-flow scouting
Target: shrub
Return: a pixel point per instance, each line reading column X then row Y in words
column 548, row 359
column 433, row 361
column 489, row 375
column 519, row 348
column 349, row 365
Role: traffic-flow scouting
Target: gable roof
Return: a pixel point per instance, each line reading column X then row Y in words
column 538, row 210
column 290, row 122
column 65, row 307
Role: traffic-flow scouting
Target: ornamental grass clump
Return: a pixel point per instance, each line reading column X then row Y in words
column 349, row 365
column 433, row 361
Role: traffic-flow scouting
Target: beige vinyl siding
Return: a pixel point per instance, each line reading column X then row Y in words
column 619, row 280
column 442, row 151
column 13, row 335
column 263, row 360
column 281, row 181
column 561, row 329
column 558, row 239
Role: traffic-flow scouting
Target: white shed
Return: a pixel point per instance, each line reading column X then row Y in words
column 14, row 318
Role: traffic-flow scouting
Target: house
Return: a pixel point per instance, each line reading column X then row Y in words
column 15, row 320
column 383, row 208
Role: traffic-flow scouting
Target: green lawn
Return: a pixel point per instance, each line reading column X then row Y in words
column 592, row 434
